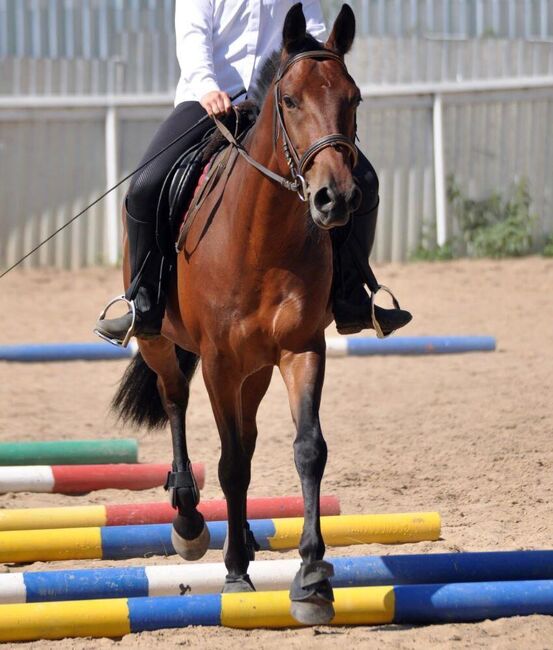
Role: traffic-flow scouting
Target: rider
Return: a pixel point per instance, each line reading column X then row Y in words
column 220, row 46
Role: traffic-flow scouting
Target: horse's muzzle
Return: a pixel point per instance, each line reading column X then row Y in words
column 330, row 208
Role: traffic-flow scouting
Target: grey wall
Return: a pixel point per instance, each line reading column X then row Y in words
column 92, row 29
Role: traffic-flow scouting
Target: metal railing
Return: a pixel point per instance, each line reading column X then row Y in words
column 487, row 133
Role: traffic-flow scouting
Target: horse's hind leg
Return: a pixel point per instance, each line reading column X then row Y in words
column 190, row 535
column 235, row 406
column 311, row 593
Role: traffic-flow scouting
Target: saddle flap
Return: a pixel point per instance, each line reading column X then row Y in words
column 184, row 176
column 219, row 170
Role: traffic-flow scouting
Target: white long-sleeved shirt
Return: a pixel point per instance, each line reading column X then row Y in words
column 221, row 43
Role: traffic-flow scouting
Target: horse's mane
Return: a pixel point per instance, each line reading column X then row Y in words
column 269, row 68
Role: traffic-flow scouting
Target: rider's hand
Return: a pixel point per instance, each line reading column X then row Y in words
column 216, row 103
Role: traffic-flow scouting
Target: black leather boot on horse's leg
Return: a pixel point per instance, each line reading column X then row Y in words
column 190, row 535
column 146, row 293
column 351, row 305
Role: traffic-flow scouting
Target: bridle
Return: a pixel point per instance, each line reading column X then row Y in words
column 296, row 163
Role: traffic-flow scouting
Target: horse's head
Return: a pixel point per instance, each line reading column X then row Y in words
column 316, row 104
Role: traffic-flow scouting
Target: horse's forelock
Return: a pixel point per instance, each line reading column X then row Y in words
column 270, row 66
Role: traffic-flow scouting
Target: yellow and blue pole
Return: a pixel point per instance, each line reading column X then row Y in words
column 403, row 604
column 121, row 542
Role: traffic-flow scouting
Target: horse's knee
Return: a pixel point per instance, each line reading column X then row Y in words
column 310, row 451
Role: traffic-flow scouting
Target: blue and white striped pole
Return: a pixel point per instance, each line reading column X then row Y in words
column 408, row 345
column 336, row 347
column 273, row 575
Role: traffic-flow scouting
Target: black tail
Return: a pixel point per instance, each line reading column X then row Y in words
column 137, row 399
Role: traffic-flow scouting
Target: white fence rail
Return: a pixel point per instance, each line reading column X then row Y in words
column 58, row 153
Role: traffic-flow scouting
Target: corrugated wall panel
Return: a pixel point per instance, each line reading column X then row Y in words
column 50, row 168
column 145, row 63
column 499, row 139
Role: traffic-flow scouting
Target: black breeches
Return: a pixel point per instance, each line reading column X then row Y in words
column 368, row 182
column 146, row 184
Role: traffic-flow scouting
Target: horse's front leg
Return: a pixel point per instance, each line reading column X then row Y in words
column 235, row 402
column 311, row 592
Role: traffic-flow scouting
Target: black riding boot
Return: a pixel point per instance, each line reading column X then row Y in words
column 351, row 305
column 146, row 293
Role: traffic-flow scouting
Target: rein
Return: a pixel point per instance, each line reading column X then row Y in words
column 296, row 163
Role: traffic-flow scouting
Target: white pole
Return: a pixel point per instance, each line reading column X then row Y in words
column 112, row 177
column 464, row 20
column 527, row 19
column 495, row 18
column 479, row 18
column 544, row 19
column 414, row 16
column 512, row 32
column 439, row 170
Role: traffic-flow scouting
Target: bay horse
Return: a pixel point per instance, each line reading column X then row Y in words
column 252, row 291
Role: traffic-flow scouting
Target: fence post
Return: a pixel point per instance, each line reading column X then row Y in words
column 112, row 177
column 439, row 169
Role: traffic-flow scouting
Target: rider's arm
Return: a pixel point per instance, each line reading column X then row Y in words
column 314, row 18
column 194, row 30
column 193, row 27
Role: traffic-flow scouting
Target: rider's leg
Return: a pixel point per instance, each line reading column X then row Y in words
column 351, row 303
column 149, row 269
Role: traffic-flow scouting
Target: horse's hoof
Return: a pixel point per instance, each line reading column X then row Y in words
column 311, row 593
column 238, row 584
column 315, row 611
column 191, row 549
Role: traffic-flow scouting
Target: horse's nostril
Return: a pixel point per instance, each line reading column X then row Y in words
column 324, row 199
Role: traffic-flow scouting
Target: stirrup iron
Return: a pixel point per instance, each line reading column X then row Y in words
column 379, row 333
column 132, row 308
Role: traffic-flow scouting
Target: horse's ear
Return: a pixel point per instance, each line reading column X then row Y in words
column 343, row 31
column 295, row 29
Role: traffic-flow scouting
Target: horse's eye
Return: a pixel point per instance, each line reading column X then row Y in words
column 289, row 102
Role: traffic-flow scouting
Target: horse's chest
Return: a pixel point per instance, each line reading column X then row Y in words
column 287, row 316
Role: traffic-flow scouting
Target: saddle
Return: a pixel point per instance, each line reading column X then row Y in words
column 199, row 166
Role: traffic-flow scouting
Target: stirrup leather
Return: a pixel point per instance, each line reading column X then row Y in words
column 132, row 308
